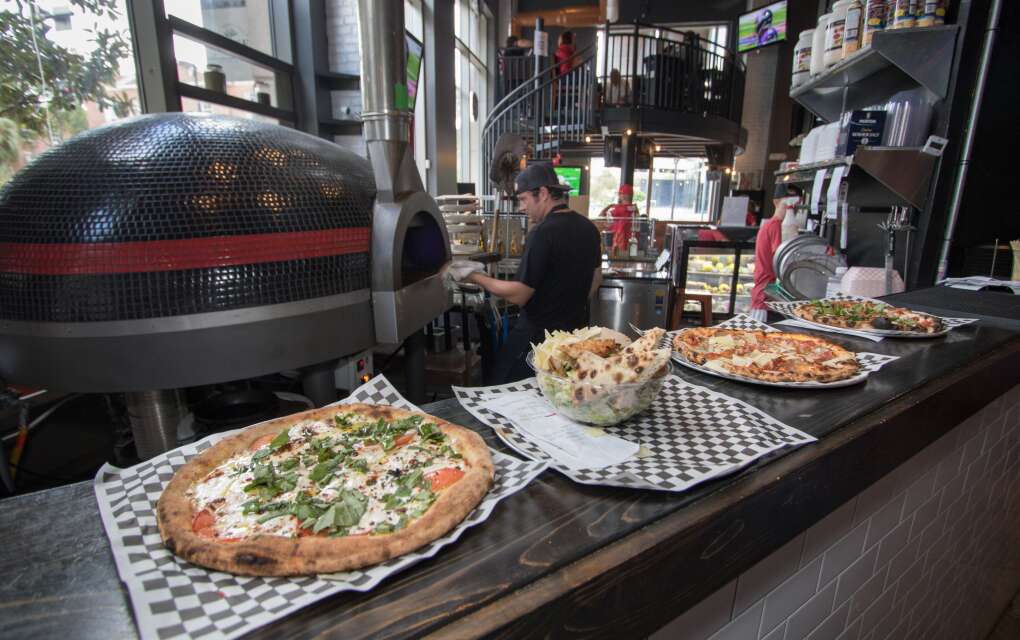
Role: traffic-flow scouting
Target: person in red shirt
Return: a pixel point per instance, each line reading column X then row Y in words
column 622, row 213
column 770, row 236
column 565, row 51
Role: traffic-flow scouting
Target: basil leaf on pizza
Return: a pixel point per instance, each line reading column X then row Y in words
column 326, row 490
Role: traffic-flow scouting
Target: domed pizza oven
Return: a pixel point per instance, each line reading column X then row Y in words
column 174, row 250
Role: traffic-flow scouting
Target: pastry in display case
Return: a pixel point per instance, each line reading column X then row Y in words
column 713, row 273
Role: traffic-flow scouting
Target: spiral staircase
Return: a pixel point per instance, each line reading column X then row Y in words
column 684, row 93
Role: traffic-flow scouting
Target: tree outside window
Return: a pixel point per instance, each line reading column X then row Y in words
column 67, row 67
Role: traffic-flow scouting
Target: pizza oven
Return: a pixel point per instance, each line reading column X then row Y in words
column 175, row 250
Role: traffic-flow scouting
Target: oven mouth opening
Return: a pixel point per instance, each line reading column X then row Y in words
column 424, row 251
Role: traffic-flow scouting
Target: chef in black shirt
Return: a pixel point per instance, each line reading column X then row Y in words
column 559, row 272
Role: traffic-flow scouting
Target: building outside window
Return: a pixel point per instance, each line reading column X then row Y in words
column 246, row 22
column 471, row 27
column 680, row 189
column 75, row 74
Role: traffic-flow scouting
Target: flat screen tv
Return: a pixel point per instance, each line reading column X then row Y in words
column 415, row 53
column 762, row 27
column 570, row 176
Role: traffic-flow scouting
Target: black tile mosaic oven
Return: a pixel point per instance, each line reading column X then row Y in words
column 173, row 250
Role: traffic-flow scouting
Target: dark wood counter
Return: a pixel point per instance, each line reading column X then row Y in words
column 567, row 558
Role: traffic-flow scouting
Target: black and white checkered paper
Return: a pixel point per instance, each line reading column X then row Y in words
column 175, row 599
column 787, row 309
column 688, row 436
column 869, row 362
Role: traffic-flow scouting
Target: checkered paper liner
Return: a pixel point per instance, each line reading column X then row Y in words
column 786, row 308
column 172, row 598
column 869, row 362
column 689, row 435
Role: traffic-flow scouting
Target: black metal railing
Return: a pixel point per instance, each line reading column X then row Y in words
column 515, row 67
column 653, row 67
column 550, row 108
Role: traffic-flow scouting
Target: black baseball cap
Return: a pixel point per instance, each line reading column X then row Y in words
column 538, row 175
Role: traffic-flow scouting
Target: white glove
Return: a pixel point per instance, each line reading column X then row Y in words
column 458, row 270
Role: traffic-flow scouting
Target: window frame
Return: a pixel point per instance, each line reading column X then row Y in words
column 478, row 20
column 160, row 91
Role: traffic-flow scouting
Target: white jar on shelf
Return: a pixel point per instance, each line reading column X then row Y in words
column 834, row 29
column 853, row 29
column 818, row 46
column 802, row 58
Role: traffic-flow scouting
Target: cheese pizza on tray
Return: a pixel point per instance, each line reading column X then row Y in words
column 325, row 490
column 768, row 356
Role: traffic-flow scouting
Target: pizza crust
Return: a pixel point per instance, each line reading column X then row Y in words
column 267, row 555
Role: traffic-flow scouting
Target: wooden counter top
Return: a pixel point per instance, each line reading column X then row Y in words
column 561, row 557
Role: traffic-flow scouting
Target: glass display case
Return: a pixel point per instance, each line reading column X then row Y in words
column 721, row 269
column 711, row 271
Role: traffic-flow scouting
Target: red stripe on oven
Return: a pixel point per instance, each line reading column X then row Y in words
column 87, row 258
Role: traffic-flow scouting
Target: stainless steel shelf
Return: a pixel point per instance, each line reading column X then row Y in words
column 878, row 177
column 896, row 60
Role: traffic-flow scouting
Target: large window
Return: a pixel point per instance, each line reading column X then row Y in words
column 680, row 189
column 246, row 22
column 471, row 27
column 67, row 68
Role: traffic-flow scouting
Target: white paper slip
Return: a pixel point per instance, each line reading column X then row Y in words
column 572, row 444
column 851, row 332
column 832, row 195
column 816, row 190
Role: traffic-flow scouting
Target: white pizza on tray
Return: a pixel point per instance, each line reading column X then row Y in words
column 867, row 315
column 326, row 490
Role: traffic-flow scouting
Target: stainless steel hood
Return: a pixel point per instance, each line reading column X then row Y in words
column 409, row 240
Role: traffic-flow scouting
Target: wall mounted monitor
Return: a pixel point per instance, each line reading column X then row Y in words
column 570, row 176
column 761, row 27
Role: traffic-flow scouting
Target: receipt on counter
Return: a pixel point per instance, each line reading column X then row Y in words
column 570, row 443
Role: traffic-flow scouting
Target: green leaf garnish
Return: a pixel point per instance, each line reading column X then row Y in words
column 280, row 440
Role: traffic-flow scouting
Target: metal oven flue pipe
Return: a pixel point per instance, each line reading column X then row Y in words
column 385, row 107
column 409, row 239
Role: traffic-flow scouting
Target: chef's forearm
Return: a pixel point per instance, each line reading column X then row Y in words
column 512, row 291
column 596, row 282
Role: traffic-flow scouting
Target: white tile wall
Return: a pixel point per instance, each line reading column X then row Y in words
column 922, row 553
column 344, row 48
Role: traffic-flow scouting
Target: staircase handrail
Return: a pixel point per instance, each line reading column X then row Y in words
column 703, row 44
column 528, row 87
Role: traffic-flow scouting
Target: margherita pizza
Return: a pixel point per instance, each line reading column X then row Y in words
column 769, row 356
column 867, row 315
column 326, row 490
